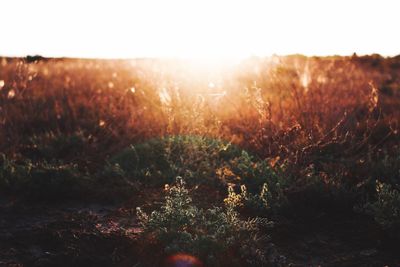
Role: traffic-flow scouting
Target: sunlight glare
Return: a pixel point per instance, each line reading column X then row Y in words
column 205, row 29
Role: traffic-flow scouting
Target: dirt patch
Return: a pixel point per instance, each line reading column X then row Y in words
column 79, row 234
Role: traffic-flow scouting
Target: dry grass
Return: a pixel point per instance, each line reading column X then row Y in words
column 291, row 109
column 310, row 137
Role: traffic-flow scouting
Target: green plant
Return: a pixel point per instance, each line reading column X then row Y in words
column 386, row 207
column 51, row 145
column 42, row 179
column 112, row 182
column 12, row 175
column 158, row 161
column 264, row 201
column 56, row 181
column 217, row 236
column 261, row 186
column 204, row 160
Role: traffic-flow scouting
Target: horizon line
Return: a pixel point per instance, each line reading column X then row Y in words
column 43, row 56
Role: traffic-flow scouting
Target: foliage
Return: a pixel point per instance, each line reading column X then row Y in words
column 217, row 236
column 261, row 186
column 262, row 202
column 41, row 180
column 158, row 161
column 304, row 132
column 385, row 165
column 112, row 183
column 204, row 160
column 69, row 118
column 52, row 146
column 386, row 207
column 326, row 111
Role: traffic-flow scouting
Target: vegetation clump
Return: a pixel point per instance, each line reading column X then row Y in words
column 217, row 236
column 297, row 139
column 386, row 207
column 42, row 180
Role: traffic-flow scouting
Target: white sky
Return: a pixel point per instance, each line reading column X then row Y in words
column 203, row 28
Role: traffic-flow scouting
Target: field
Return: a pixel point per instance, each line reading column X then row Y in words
column 279, row 161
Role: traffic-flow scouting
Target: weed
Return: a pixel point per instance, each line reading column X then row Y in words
column 41, row 180
column 217, row 236
column 386, row 207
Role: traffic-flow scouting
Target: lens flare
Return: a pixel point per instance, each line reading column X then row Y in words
column 183, row 260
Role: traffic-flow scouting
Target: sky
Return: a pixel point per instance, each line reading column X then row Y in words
column 198, row 29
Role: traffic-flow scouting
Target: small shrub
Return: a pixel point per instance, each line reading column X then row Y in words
column 261, row 185
column 217, row 236
column 41, row 180
column 56, row 181
column 13, row 175
column 50, row 146
column 385, row 165
column 203, row 160
column 158, row 161
column 112, row 182
column 264, row 201
column 386, row 207
column 318, row 191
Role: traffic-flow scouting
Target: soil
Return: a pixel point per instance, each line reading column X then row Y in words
column 98, row 234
